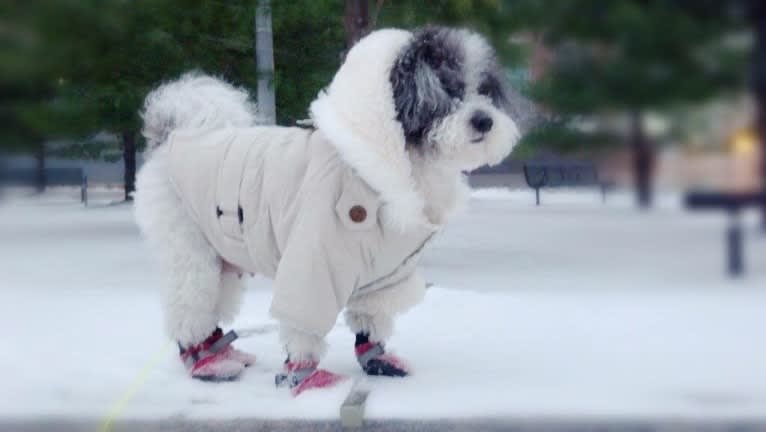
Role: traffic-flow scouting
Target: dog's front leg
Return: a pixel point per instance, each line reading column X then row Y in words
column 371, row 317
column 301, row 369
column 372, row 332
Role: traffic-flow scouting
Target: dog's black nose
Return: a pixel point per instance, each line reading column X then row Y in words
column 481, row 121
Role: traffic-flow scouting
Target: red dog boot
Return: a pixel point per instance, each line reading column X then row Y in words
column 243, row 357
column 214, row 359
column 304, row 375
column 374, row 360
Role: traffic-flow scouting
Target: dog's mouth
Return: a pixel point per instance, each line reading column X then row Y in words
column 478, row 139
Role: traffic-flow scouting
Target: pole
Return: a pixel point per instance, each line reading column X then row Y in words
column 735, row 261
column 264, row 57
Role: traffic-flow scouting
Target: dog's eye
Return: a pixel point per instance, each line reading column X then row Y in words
column 436, row 59
column 455, row 89
column 486, row 89
column 490, row 88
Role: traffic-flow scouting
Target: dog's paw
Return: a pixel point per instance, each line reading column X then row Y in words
column 386, row 365
column 376, row 362
column 302, row 376
column 243, row 357
column 320, row 378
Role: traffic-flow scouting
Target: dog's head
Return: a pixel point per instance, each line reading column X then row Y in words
column 450, row 99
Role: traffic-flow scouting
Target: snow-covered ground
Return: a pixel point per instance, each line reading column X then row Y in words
column 571, row 310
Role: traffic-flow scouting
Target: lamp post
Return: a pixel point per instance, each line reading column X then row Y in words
column 264, row 57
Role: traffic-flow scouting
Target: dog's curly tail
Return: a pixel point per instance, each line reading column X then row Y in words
column 194, row 101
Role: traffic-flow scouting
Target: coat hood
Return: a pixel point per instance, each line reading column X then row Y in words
column 357, row 114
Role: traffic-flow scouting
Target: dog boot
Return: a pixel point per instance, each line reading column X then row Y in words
column 243, row 357
column 304, row 375
column 374, row 360
column 214, row 359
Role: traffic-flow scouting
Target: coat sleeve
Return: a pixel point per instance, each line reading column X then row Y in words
column 318, row 271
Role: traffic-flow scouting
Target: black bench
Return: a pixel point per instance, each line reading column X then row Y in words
column 733, row 203
column 563, row 174
column 28, row 177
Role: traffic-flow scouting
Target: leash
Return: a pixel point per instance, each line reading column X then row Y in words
column 119, row 406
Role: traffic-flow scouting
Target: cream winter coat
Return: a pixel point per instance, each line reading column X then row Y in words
column 330, row 213
column 281, row 202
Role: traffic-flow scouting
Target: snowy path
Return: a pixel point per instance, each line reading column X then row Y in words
column 568, row 311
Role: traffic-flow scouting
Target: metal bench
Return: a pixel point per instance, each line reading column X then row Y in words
column 733, row 203
column 27, row 177
column 564, row 174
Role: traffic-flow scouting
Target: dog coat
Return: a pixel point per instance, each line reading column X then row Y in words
column 328, row 213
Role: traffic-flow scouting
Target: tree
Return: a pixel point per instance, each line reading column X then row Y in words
column 308, row 43
column 78, row 67
column 26, row 85
column 632, row 56
column 96, row 60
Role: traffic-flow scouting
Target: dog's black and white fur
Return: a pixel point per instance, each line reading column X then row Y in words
column 449, row 115
column 431, row 79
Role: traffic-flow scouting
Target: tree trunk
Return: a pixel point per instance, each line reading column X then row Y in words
column 643, row 160
column 758, row 19
column 264, row 57
column 356, row 21
column 40, row 180
column 129, row 159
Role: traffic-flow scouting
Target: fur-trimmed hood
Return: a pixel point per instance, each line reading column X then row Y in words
column 357, row 114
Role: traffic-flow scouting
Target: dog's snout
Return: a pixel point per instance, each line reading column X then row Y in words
column 481, row 121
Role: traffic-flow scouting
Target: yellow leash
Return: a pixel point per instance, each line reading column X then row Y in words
column 119, row 406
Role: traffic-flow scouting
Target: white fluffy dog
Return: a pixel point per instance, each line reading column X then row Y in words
column 338, row 215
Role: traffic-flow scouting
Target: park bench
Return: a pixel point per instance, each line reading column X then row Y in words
column 564, row 174
column 733, row 203
column 27, row 177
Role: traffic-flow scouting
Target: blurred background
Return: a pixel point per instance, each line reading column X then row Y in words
column 578, row 284
column 657, row 93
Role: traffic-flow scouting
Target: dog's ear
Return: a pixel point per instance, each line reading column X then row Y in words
column 425, row 78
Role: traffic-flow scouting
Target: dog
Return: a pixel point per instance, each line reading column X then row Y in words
column 337, row 215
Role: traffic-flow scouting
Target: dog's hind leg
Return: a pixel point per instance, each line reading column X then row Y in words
column 229, row 304
column 191, row 296
column 193, row 268
column 230, row 296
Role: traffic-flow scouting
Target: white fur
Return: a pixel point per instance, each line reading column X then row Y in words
column 301, row 345
column 452, row 144
column 357, row 114
column 477, row 55
column 374, row 312
column 197, row 295
column 191, row 294
column 230, row 296
column 445, row 187
column 194, row 101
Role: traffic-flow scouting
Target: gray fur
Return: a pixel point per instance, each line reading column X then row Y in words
column 430, row 79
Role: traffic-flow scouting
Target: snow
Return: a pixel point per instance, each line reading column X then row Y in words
column 573, row 309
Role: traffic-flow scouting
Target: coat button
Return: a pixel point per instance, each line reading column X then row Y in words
column 357, row 214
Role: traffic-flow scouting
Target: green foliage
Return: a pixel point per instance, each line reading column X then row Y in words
column 492, row 18
column 308, row 42
column 633, row 55
column 71, row 68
